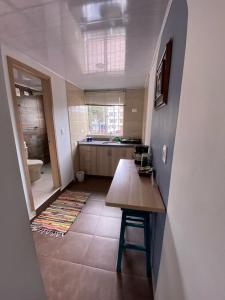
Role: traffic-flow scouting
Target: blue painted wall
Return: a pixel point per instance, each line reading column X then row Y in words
column 164, row 120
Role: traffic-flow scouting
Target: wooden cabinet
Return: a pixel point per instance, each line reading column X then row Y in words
column 130, row 153
column 119, row 153
column 88, row 162
column 103, row 160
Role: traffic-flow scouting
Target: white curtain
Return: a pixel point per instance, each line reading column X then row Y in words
column 104, row 97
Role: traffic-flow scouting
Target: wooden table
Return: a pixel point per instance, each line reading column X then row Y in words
column 138, row 199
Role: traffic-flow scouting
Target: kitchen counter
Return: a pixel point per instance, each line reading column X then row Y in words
column 107, row 143
column 102, row 157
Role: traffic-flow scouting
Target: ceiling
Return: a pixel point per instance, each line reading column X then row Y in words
column 94, row 44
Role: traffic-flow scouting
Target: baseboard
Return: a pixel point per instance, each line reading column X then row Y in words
column 153, row 284
column 98, row 176
column 69, row 185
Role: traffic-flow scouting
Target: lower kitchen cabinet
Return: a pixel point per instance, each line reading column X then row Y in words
column 102, row 160
column 88, row 162
column 117, row 154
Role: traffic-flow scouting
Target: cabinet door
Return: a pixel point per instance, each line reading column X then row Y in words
column 104, row 158
column 119, row 153
column 130, row 153
column 88, row 159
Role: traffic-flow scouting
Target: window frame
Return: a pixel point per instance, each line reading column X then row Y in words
column 107, row 134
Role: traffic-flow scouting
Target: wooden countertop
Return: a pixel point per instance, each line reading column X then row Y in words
column 129, row 190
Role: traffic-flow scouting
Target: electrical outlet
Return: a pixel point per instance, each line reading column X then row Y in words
column 164, row 153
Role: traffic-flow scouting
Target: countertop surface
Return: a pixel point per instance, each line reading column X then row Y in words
column 131, row 191
column 107, row 143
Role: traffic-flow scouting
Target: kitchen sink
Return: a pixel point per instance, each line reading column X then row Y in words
column 110, row 142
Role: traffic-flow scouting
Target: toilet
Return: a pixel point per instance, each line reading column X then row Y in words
column 34, row 166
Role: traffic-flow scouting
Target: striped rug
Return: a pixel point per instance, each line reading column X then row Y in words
column 60, row 215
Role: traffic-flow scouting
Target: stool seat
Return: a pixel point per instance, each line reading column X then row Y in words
column 140, row 219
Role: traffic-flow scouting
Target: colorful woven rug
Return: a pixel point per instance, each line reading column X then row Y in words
column 60, row 215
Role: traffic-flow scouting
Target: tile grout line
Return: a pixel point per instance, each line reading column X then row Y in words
column 97, row 268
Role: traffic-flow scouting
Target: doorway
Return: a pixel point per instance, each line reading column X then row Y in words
column 32, row 99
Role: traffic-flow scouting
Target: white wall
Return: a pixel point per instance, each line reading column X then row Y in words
column 61, row 120
column 133, row 121
column 60, row 116
column 19, row 272
column 193, row 256
column 78, row 119
column 150, row 95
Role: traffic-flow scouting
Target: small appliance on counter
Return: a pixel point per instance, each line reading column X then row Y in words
column 131, row 141
column 145, row 169
column 143, row 157
column 139, row 150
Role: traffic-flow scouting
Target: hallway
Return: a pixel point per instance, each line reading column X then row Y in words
column 82, row 264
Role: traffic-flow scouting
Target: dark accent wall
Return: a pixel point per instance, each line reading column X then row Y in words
column 31, row 109
column 164, row 120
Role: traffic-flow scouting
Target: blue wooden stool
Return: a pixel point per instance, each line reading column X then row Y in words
column 140, row 219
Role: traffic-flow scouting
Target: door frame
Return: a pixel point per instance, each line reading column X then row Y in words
column 48, row 112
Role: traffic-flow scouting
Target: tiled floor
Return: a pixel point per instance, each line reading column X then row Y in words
column 42, row 189
column 81, row 266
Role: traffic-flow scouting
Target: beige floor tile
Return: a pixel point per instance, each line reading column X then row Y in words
column 96, row 284
column 111, row 212
column 61, row 279
column 74, row 247
column 108, row 227
column 132, row 288
column 93, row 207
column 102, row 253
column 85, row 223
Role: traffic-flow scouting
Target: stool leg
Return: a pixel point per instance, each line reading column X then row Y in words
column 147, row 244
column 121, row 242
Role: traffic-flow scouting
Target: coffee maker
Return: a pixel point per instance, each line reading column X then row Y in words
column 139, row 150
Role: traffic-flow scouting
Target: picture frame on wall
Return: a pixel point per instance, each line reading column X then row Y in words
column 163, row 77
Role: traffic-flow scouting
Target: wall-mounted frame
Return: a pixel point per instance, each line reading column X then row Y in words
column 163, row 77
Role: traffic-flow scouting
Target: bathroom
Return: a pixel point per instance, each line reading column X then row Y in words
column 32, row 122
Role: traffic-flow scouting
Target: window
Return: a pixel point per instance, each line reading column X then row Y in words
column 105, row 120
